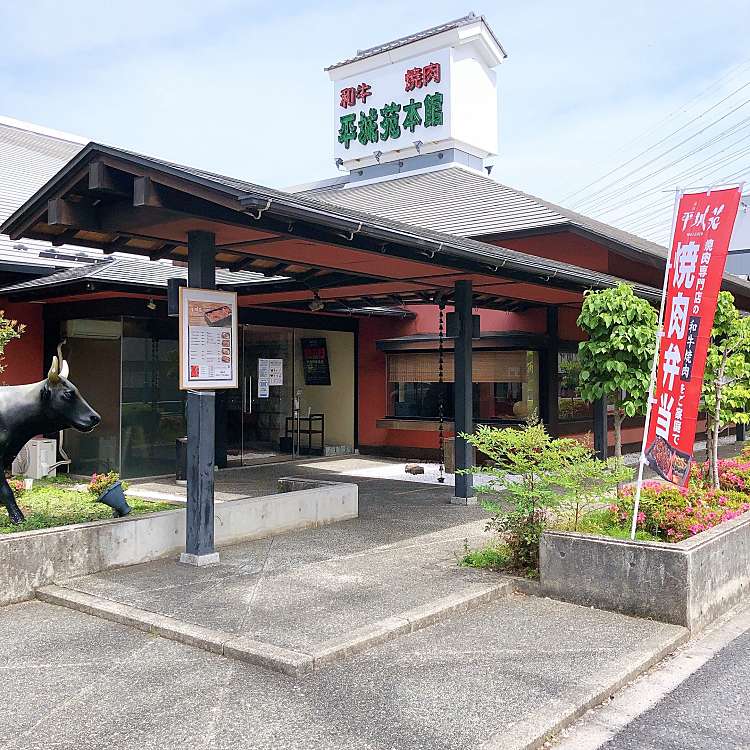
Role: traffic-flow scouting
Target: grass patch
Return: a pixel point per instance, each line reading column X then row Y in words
column 493, row 557
column 604, row 523
column 54, row 502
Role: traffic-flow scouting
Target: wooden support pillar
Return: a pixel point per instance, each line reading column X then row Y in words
column 601, row 429
column 462, row 390
column 549, row 378
column 201, row 425
column 741, row 432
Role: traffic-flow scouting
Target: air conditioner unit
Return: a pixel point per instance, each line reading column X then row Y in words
column 35, row 458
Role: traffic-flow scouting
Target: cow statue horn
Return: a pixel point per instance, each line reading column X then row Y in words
column 64, row 370
column 54, row 372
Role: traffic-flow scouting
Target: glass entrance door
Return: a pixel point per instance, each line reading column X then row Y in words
column 258, row 409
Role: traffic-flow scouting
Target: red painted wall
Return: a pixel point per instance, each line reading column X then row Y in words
column 564, row 247
column 372, row 395
column 23, row 357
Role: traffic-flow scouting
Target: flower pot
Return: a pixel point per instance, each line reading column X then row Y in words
column 115, row 498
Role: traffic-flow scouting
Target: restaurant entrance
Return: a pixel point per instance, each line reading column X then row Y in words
column 277, row 373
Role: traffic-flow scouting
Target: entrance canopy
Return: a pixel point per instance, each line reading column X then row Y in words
column 127, row 203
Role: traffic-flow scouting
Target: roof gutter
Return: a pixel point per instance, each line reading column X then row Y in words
column 535, row 268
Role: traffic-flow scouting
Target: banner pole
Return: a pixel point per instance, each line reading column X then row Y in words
column 654, row 362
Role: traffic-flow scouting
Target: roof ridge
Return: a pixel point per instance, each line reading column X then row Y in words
column 378, row 49
column 31, row 127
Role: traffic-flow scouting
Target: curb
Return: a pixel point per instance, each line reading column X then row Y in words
column 288, row 661
column 387, row 629
column 551, row 720
column 215, row 641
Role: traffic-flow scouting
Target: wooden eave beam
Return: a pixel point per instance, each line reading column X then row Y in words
column 67, row 236
column 163, row 252
column 102, row 179
column 65, row 213
column 147, row 193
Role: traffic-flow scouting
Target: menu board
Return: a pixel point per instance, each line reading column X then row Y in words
column 208, row 339
column 315, row 361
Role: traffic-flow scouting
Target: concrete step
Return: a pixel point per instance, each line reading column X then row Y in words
column 289, row 661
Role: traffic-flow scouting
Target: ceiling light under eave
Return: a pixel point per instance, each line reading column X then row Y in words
column 316, row 304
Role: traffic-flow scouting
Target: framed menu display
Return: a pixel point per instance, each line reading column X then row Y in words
column 208, row 339
column 315, row 361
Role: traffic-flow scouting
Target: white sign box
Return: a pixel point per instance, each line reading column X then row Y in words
column 391, row 107
column 208, row 339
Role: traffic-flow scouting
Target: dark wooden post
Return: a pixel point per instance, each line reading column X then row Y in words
column 741, row 432
column 201, row 422
column 549, row 379
column 601, row 429
column 462, row 392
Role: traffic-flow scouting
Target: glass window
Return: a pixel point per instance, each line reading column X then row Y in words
column 505, row 385
column 93, row 354
column 571, row 406
column 153, row 407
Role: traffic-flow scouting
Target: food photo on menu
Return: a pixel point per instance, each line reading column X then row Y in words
column 211, row 314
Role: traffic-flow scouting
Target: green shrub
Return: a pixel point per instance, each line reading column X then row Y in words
column 533, row 479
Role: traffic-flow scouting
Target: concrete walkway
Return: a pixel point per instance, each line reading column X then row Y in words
column 386, row 643
column 499, row 677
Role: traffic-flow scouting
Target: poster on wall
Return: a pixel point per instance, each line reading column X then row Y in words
column 315, row 361
column 703, row 226
column 264, row 378
column 208, row 339
column 275, row 372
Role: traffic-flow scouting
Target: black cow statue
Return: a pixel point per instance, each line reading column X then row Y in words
column 35, row 409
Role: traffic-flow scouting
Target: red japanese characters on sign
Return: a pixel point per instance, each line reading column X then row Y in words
column 350, row 95
column 703, row 227
column 416, row 78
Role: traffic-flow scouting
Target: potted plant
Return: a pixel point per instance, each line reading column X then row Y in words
column 108, row 489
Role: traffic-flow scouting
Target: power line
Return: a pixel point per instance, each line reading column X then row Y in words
column 602, row 197
column 656, row 126
column 654, row 145
column 703, row 169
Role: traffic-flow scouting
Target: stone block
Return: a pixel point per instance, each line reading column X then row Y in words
column 690, row 583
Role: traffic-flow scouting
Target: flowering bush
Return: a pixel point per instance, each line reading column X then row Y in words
column 17, row 486
column 676, row 513
column 734, row 474
column 100, row 483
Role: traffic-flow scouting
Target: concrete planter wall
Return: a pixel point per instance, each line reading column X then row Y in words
column 689, row 583
column 31, row 559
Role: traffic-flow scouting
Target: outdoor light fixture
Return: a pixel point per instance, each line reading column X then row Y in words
column 377, row 155
column 151, row 305
column 316, row 304
column 418, row 145
column 339, row 162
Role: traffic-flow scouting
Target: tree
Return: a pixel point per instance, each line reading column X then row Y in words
column 616, row 359
column 9, row 330
column 726, row 380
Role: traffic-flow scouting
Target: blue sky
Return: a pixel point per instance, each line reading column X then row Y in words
column 239, row 88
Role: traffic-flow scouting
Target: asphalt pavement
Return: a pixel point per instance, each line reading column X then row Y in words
column 696, row 698
column 709, row 711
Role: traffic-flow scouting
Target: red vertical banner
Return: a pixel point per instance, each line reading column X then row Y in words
column 703, row 227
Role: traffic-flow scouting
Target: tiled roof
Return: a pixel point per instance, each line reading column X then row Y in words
column 29, row 156
column 404, row 40
column 129, row 271
column 311, row 208
column 463, row 202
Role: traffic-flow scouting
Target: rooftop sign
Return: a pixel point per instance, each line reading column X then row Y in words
column 393, row 107
column 436, row 92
